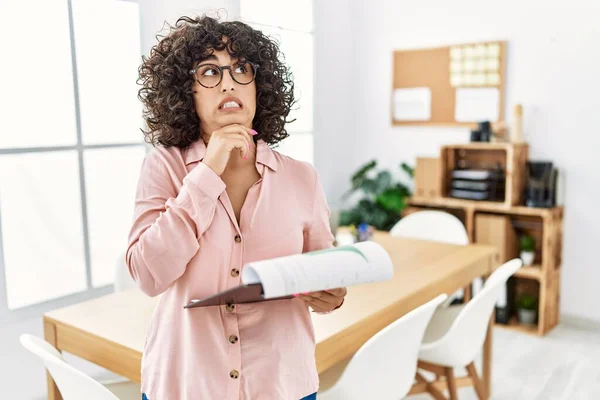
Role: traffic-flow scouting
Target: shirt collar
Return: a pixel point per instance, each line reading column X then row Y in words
column 264, row 154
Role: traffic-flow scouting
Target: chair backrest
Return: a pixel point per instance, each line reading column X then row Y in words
column 385, row 366
column 72, row 383
column 123, row 280
column 463, row 341
column 432, row 225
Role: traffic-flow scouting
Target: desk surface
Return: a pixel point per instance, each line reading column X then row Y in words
column 113, row 327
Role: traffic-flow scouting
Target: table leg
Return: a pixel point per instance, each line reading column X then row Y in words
column 50, row 337
column 467, row 293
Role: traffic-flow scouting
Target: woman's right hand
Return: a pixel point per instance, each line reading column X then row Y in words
column 223, row 141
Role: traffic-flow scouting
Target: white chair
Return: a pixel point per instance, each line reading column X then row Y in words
column 72, row 383
column 437, row 226
column 384, row 367
column 456, row 334
column 123, row 280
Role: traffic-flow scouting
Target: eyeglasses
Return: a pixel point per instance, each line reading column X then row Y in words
column 211, row 75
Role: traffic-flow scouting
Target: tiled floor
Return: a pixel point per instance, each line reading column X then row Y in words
column 563, row 365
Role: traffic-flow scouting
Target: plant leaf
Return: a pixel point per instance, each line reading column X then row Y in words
column 369, row 186
column 408, row 169
column 379, row 218
column 383, row 180
column 527, row 243
column 359, row 175
column 392, row 200
column 357, row 178
column 401, row 188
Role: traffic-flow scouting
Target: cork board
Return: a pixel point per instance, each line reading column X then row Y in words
column 446, row 73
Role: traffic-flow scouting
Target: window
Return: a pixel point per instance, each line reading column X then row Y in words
column 70, row 147
column 291, row 24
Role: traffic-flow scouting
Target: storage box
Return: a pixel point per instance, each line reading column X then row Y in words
column 497, row 230
column 428, row 177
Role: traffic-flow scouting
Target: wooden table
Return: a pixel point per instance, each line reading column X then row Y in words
column 110, row 331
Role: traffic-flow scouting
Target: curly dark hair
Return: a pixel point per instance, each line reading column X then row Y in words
column 167, row 85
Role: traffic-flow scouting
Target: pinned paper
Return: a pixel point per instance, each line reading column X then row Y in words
column 456, row 67
column 479, row 50
column 494, row 50
column 479, row 79
column 477, row 104
column 412, row 104
column 493, row 64
column 475, row 65
column 456, row 80
column 493, row 78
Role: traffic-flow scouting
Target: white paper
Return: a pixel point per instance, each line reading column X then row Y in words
column 479, row 50
column 456, row 53
column 477, row 104
column 343, row 266
column 412, row 104
column 494, row 50
column 456, row 80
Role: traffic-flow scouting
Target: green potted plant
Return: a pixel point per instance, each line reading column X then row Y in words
column 527, row 246
column 527, row 306
column 382, row 199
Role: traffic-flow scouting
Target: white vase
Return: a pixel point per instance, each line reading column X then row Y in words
column 527, row 257
column 527, row 316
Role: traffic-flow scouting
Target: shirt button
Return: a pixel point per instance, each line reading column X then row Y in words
column 234, row 374
column 238, row 238
column 230, row 307
column 235, row 272
column 233, row 339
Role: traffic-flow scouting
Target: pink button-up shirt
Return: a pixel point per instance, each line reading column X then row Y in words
column 185, row 243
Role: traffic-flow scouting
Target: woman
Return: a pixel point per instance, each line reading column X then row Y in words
column 213, row 196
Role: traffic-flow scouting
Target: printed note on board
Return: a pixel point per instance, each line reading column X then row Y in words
column 412, row 104
column 477, row 104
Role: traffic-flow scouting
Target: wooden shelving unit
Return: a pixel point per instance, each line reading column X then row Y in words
column 545, row 224
column 530, row 272
column 480, row 205
column 546, row 271
column 514, row 325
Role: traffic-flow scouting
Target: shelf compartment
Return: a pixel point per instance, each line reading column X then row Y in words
column 511, row 158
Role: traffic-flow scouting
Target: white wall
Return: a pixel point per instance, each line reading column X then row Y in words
column 153, row 14
column 334, row 121
column 553, row 70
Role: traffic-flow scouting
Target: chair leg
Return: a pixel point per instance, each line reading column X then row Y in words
column 476, row 382
column 428, row 388
column 451, row 383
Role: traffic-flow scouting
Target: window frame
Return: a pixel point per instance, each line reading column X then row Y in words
column 310, row 32
column 34, row 310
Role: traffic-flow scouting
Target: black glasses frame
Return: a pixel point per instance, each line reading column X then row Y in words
column 194, row 71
